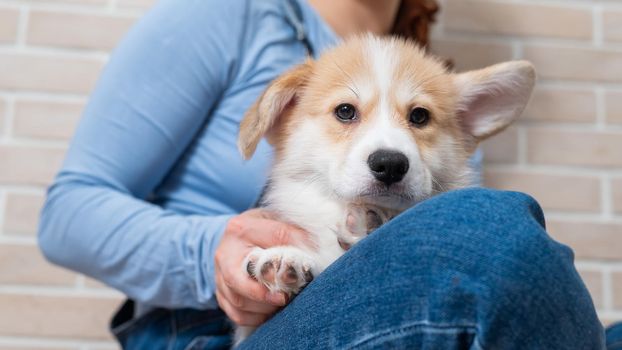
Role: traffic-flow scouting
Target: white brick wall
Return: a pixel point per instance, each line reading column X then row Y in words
column 51, row 53
column 566, row 151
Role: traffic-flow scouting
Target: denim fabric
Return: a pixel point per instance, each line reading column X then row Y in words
column 469, row 269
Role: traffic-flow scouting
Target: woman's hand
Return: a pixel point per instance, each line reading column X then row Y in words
column 243, row 299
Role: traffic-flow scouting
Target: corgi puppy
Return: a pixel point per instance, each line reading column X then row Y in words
column 372, row 127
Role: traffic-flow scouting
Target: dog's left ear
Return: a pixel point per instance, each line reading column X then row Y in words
column 490, row 99
column 272, row 104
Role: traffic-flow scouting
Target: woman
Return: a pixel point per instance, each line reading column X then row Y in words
column 146, row 195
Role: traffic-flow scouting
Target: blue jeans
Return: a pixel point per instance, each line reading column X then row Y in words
column 468, row 269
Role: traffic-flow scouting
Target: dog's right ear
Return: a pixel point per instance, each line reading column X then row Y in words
column 493, row 97
column 272, row 104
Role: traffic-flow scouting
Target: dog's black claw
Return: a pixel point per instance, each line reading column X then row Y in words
column 373, row 220
column 250, row 268
column 308, row 276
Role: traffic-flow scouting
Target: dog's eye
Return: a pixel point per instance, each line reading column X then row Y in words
column 419, row 116
column 345, row 112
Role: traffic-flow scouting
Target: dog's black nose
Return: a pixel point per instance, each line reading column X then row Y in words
column 388, row 166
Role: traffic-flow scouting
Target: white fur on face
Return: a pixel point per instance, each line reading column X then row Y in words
column 351, row 176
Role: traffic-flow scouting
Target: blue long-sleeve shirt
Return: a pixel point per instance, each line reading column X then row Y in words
column 153, row 173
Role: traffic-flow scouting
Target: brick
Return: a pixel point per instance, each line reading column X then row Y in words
column 29, row 165
column 493, row 17
column 594, row 282
column 49, row 73
column 2, row 116
column 616, row 193
column 613, row 103
column 56, row 316
column 502, row 148
column 561, row 105
column 80, row 2
column 143, row 4
column 581, row 148
column 85, row 31
column 22, row 264
column 551, row 191
column 22, row 213
column 471, row 55
column 9, row 19
column 589, row 240
column 612, row 25
column 576, row 64
column 46, row 119
column 616, row 285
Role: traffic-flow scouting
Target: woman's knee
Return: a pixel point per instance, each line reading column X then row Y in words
column 479, row 232
column 474, row 257
column 486, row 246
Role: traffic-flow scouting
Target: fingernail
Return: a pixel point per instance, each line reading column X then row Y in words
column 276, row 298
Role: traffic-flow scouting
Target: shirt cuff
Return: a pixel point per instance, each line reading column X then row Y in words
column 212, row 239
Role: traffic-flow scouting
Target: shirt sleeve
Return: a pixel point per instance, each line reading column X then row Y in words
column 154, row 96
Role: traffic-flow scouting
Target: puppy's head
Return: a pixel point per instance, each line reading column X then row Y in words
column 377, row 121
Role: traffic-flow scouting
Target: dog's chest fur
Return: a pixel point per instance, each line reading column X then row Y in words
column 305, row 205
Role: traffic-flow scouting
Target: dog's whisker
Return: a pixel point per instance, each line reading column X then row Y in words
column 355, row 92
column 440, row 187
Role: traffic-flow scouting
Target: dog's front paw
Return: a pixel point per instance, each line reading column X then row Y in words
column 282, row 269
column 361, row 220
